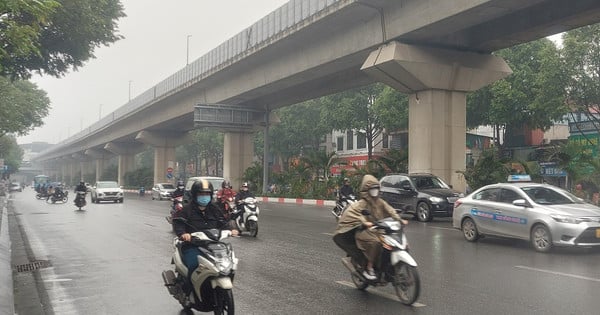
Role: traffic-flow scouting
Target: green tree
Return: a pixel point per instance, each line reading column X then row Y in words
column 367, row 110
column 11, row 153
column 207, row 145
column 535, row 90
column 52, row 36
column 22, row 106
column 300, row 129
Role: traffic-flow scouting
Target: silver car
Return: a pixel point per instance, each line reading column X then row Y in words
column 545, row 215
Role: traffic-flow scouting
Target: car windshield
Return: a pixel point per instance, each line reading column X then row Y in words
column 167, row 186
column 549, row 196
column 107, row 185
column 428, row 182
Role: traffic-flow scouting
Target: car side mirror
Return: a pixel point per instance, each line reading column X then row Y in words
column 520, row 203
column 406, row 186
column 121, row 187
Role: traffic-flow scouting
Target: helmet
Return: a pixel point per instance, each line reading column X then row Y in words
column 224, row 184
column 199, row 186
column 245, row 184
column 180, row 183
column 81, row 183
column 346, row 179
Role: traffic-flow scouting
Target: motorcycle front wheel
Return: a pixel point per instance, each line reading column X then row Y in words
column 224, row 302
column 252, row 227
column 407, row 283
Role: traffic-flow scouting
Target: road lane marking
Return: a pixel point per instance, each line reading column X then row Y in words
column 382, row 294
column 559, row 273
column 58, row 280
column 330, row 234
column 442, row 228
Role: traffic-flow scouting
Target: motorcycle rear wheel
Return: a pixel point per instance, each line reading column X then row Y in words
column 252, row 227
column 406, row 283
column 224, row 302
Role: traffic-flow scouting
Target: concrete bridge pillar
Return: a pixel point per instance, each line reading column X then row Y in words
column 126, row 153
column 437, row 81
column 164, row 144
column 79, row 165
column 238, row 154
column 101, row 156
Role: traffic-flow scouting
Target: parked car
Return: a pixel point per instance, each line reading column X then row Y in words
column 15, row 187
column 542, row 214
column 424, row 195
column 162, row 191
column 106, row 191
column 215, row 181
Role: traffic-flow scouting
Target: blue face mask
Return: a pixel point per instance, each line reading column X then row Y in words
column 203, row 200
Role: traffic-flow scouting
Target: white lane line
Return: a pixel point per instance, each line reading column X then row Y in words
column 442, row 228
column 376, row 292
column 330, row 234
column 559, row 273
column 58, row 280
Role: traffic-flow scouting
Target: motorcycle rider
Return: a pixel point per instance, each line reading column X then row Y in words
column 224, row 194
column 346, row 190
column 349, row 238
column 179, row 191
column 80, row 187
column 200, row 214
column 241, row 195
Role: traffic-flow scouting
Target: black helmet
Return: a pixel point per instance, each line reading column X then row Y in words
column 180, row 183
column 81, row 183
column 201, row 185
column 224, row 184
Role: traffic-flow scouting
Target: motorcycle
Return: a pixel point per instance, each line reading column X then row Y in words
column 211, row 283
column 341, row 205
column 227, row 205
column 397, row 266
column 176, row 206
column 80, row 201
column 58, row 196
column 246, row 220
column 41, row 195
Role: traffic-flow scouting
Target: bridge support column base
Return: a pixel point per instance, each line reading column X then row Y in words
column 238, row 155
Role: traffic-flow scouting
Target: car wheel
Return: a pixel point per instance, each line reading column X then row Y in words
column 152, row 197
column 541, row 239
column 120, row 200
column 423, row 212
column 469, row 230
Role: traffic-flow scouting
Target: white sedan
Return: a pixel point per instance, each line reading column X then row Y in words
column 545, row 215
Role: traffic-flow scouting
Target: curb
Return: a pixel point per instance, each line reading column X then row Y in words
column 7, row 304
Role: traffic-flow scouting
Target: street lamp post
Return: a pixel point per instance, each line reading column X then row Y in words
column 99, row 111
column 187, row 59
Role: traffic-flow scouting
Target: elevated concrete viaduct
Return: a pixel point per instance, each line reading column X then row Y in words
column 435, row 50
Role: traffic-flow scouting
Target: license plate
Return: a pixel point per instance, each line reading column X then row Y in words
column 597, row 233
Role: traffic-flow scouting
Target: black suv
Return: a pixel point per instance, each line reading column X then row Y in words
column 424, row 195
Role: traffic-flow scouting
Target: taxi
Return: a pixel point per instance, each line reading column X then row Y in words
column 542, row 214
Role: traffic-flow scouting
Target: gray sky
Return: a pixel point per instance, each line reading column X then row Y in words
column 154, row 47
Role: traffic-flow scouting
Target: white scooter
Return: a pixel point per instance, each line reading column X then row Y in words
column 397, row 266
column 247, row 221
column 212, row 282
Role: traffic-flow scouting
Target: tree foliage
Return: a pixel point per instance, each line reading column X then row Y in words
column 22, row 106
column 535, row 90
column 11, row 153
column 52, row 36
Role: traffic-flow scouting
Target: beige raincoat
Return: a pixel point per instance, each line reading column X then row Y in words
column 367, row 241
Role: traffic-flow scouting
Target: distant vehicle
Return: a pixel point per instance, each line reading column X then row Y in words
column 15, row 187
column 215, row 181
column 106, row 191
column 424, row 195
column 542, row 214
column 40, row 180
column 162, row 191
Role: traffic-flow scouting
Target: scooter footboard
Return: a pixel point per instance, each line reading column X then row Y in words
column 221, row 282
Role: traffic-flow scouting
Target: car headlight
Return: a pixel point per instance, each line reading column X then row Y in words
column 436, row 199
column 565, row 219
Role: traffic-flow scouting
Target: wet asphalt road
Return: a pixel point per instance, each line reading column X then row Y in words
column 108, row 260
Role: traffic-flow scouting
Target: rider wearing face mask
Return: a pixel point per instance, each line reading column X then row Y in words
column 200, row 214
column 366, row 240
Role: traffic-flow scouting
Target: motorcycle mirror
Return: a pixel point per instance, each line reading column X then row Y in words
column 365, row 212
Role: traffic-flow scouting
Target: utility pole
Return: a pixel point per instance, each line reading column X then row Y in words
column 187, row 59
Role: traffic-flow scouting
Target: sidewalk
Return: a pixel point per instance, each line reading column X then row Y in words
column 6, row 279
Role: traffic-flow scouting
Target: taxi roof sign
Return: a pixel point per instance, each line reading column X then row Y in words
column 519, row 178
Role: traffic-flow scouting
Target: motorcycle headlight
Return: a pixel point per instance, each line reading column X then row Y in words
column 436, row 199
column 223, row 264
